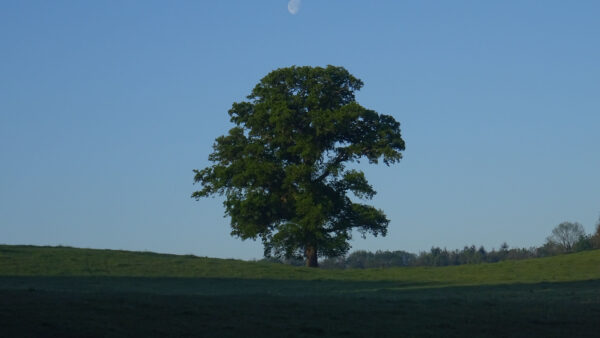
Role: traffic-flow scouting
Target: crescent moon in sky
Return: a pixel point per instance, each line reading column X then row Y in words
column 294, row 6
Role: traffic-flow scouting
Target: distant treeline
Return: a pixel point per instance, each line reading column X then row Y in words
column 566, row 238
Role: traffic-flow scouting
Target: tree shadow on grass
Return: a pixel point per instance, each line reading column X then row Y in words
column 204, row 286
column 126, row 306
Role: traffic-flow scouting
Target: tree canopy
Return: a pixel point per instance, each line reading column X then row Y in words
column 566, row 235
column 283, row 166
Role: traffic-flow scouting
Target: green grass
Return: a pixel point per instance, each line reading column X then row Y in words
column 59, row 291
column 66, row 261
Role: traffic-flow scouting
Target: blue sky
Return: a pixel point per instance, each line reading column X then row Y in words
column 106, row 107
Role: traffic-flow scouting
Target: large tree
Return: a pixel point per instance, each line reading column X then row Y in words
column 283, row 167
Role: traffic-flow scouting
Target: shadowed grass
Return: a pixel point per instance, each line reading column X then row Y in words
column 126, row 306
column 68, row 292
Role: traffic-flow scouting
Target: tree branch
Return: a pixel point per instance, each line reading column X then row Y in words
column 341, row 157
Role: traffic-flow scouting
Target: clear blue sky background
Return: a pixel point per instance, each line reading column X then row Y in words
column 107, row 106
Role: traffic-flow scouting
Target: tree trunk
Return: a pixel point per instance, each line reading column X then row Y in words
column 310, row 252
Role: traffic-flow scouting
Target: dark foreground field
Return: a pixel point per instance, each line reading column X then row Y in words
column 337, row 304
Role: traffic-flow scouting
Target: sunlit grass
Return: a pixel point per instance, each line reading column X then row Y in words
column 66, row 261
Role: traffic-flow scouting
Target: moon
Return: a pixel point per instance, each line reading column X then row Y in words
column 294, row 6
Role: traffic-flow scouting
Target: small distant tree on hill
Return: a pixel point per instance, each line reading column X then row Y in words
column 566, row 235
column 282, row 168
column 595, row 239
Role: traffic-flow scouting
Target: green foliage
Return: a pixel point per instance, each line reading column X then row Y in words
column 380, row 259
column 437, row 256
column 472, row 255
column 584, row 243
column 282, row 168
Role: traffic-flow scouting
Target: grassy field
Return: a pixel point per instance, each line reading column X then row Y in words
column 58, row 291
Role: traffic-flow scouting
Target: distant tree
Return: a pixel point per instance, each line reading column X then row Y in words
column 566, row 234
column 394, row 258
column 521, row 253
column 595, row 238
column 584, row 243
column 482, row 253
column 359, row 259
column 333, row 263
column 549, row 249
column 282, row 168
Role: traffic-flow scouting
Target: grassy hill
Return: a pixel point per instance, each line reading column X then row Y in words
column 67, row 261
column 61, row 291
